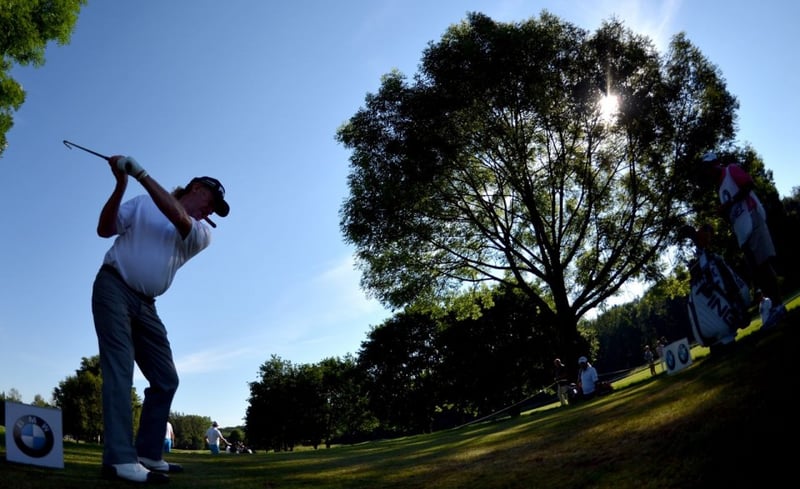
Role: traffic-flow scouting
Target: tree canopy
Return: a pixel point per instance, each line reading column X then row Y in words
column 496, row 164
column 26, row 26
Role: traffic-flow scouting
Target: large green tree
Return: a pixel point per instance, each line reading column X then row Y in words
column 348, row 413
column 307, row 404
column 190, row 430
column 274, row 413
column 399, row 359
column 497, row 164
column 26, row 26
column 81, row 401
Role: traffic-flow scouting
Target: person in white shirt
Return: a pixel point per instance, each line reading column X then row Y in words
column 155, row 234
column 562, row 384
column 169, row 438
column 764, row 306
column 662, row 343
column 213, row 437
column 587, row 378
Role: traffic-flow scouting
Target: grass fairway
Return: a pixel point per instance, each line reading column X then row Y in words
column 723, row 422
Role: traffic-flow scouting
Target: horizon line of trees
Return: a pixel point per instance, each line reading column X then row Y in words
column 417, row 372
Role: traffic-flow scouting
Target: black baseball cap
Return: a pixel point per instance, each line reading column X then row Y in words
column 221, row 208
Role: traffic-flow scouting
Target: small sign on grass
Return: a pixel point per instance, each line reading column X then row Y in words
column 34, row 435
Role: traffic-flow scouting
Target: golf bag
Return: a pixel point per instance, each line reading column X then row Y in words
column 718, row 302
column 572, row 392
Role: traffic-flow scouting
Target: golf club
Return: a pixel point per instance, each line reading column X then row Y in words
column 70, row 145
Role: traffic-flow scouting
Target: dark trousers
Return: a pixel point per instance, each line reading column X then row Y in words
column 129, row 330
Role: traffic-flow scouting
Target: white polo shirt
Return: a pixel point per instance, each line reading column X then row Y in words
column 148, row 250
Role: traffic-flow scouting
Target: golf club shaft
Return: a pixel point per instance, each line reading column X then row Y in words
column 70, row 145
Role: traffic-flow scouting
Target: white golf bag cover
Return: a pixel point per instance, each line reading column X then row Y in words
column 718, row 300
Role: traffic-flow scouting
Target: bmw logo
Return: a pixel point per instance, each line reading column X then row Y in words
column 670, row 360
column 683, row 353
column 33, row 436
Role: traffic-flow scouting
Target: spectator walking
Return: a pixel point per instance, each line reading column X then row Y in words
column 561, row 379
column 660, row 346
column 650, row 359
column 764, row 306
column 213, row 437
column 587, row 378
column 169, row 438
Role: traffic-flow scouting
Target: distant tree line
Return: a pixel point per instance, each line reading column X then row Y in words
column 419, row 371
column 190, row 430
column 79, row 397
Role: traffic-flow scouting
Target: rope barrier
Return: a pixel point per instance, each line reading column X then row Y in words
column 615, row 375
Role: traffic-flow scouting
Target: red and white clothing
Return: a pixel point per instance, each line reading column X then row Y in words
column 747, row 216
column 732, row 180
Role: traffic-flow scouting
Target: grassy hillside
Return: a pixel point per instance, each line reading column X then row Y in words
column 724, row 421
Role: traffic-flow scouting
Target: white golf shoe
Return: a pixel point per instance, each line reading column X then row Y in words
column 133, row 472
column 160, row 465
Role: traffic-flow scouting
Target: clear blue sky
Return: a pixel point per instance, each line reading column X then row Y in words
column 252, row 92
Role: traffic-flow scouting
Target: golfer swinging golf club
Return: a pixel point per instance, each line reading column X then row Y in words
column 156, row 233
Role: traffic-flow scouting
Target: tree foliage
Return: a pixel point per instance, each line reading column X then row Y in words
column 495, row 164
column 40, row 401
column 347, row 413
column 307, row 404
column 80, row 399
column 288, row 406
column 190, row 430
column 495, row 360
column 12, row 395
column 26, row 26
column 400, row 361
column 81, row 402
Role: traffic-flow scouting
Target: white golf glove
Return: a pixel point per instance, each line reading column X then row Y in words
column 131, row 167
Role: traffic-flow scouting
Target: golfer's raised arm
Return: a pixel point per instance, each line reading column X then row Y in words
column 166, row 202
column 107, row 223
column 168, row 205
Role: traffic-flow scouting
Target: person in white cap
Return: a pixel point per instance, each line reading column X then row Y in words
column 155, row 234
column 213, row 437
column 587, row 378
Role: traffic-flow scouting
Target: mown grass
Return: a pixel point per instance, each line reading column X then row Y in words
column 723, row 422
